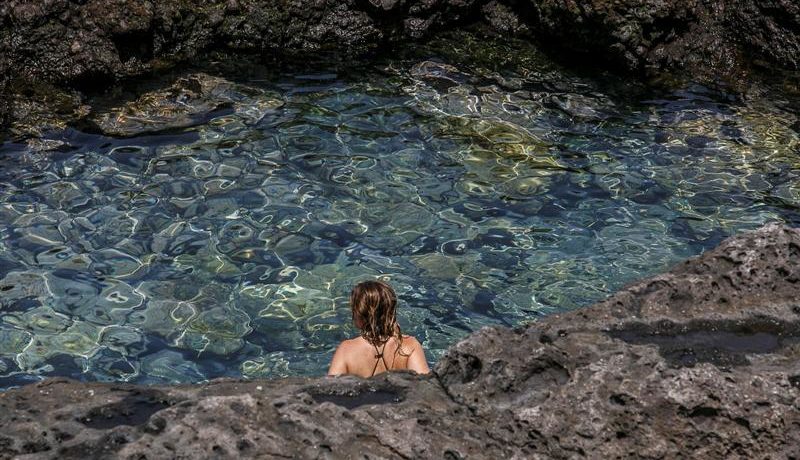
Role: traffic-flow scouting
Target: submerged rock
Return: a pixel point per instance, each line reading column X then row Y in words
column 701, row 361
column 191, row 100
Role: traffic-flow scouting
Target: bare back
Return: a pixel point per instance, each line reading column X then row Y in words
column 359, row 357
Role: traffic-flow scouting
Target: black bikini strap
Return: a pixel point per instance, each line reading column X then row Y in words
column 378, row 358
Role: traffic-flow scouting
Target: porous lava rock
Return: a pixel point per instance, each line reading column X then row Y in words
column 715, row 40
column 86, row 42
column 702, row 361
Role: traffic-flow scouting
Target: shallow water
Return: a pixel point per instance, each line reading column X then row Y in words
column 178, row 238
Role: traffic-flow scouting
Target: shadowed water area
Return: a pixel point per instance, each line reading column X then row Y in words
column 212, row 222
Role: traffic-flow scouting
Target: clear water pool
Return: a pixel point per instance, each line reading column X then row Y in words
column 211, row 223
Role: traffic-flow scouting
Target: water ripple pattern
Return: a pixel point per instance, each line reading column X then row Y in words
column 214, row 227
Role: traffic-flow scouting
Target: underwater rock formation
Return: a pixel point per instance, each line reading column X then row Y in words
column 189, row 101
column 701, row 361
column 72, row 44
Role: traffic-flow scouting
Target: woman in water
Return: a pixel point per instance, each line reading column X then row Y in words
column 381, row 346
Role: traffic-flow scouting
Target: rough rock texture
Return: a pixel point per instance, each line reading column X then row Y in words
column 709, row 40
column 703, row 362
column 81, row 42
column 86, row 43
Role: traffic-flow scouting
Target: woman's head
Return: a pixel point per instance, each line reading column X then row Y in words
column 374, row 305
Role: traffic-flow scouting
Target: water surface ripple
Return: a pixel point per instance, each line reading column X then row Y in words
column 187, row 237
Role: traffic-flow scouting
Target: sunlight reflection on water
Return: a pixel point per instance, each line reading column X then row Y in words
column 215, row 228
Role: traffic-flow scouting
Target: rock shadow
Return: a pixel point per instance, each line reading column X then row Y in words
column 134, row 410
column 722, row 343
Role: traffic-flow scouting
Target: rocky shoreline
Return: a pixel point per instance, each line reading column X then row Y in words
column 701, row 361
column 50, row 51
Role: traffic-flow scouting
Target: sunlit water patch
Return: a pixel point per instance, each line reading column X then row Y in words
column 213, row 226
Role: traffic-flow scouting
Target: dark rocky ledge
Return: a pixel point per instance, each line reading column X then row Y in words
column 68, row 44
column 702, row 361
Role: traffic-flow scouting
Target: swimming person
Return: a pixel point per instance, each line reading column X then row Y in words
column 381, row 346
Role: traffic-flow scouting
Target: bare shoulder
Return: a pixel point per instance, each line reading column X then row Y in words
column 416, row 355
column 341, row 358
column 410, row 343
column 349, row 344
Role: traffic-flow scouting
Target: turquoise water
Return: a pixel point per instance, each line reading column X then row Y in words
column 211, row 223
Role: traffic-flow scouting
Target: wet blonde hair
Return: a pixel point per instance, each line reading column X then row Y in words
column 374, row 307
